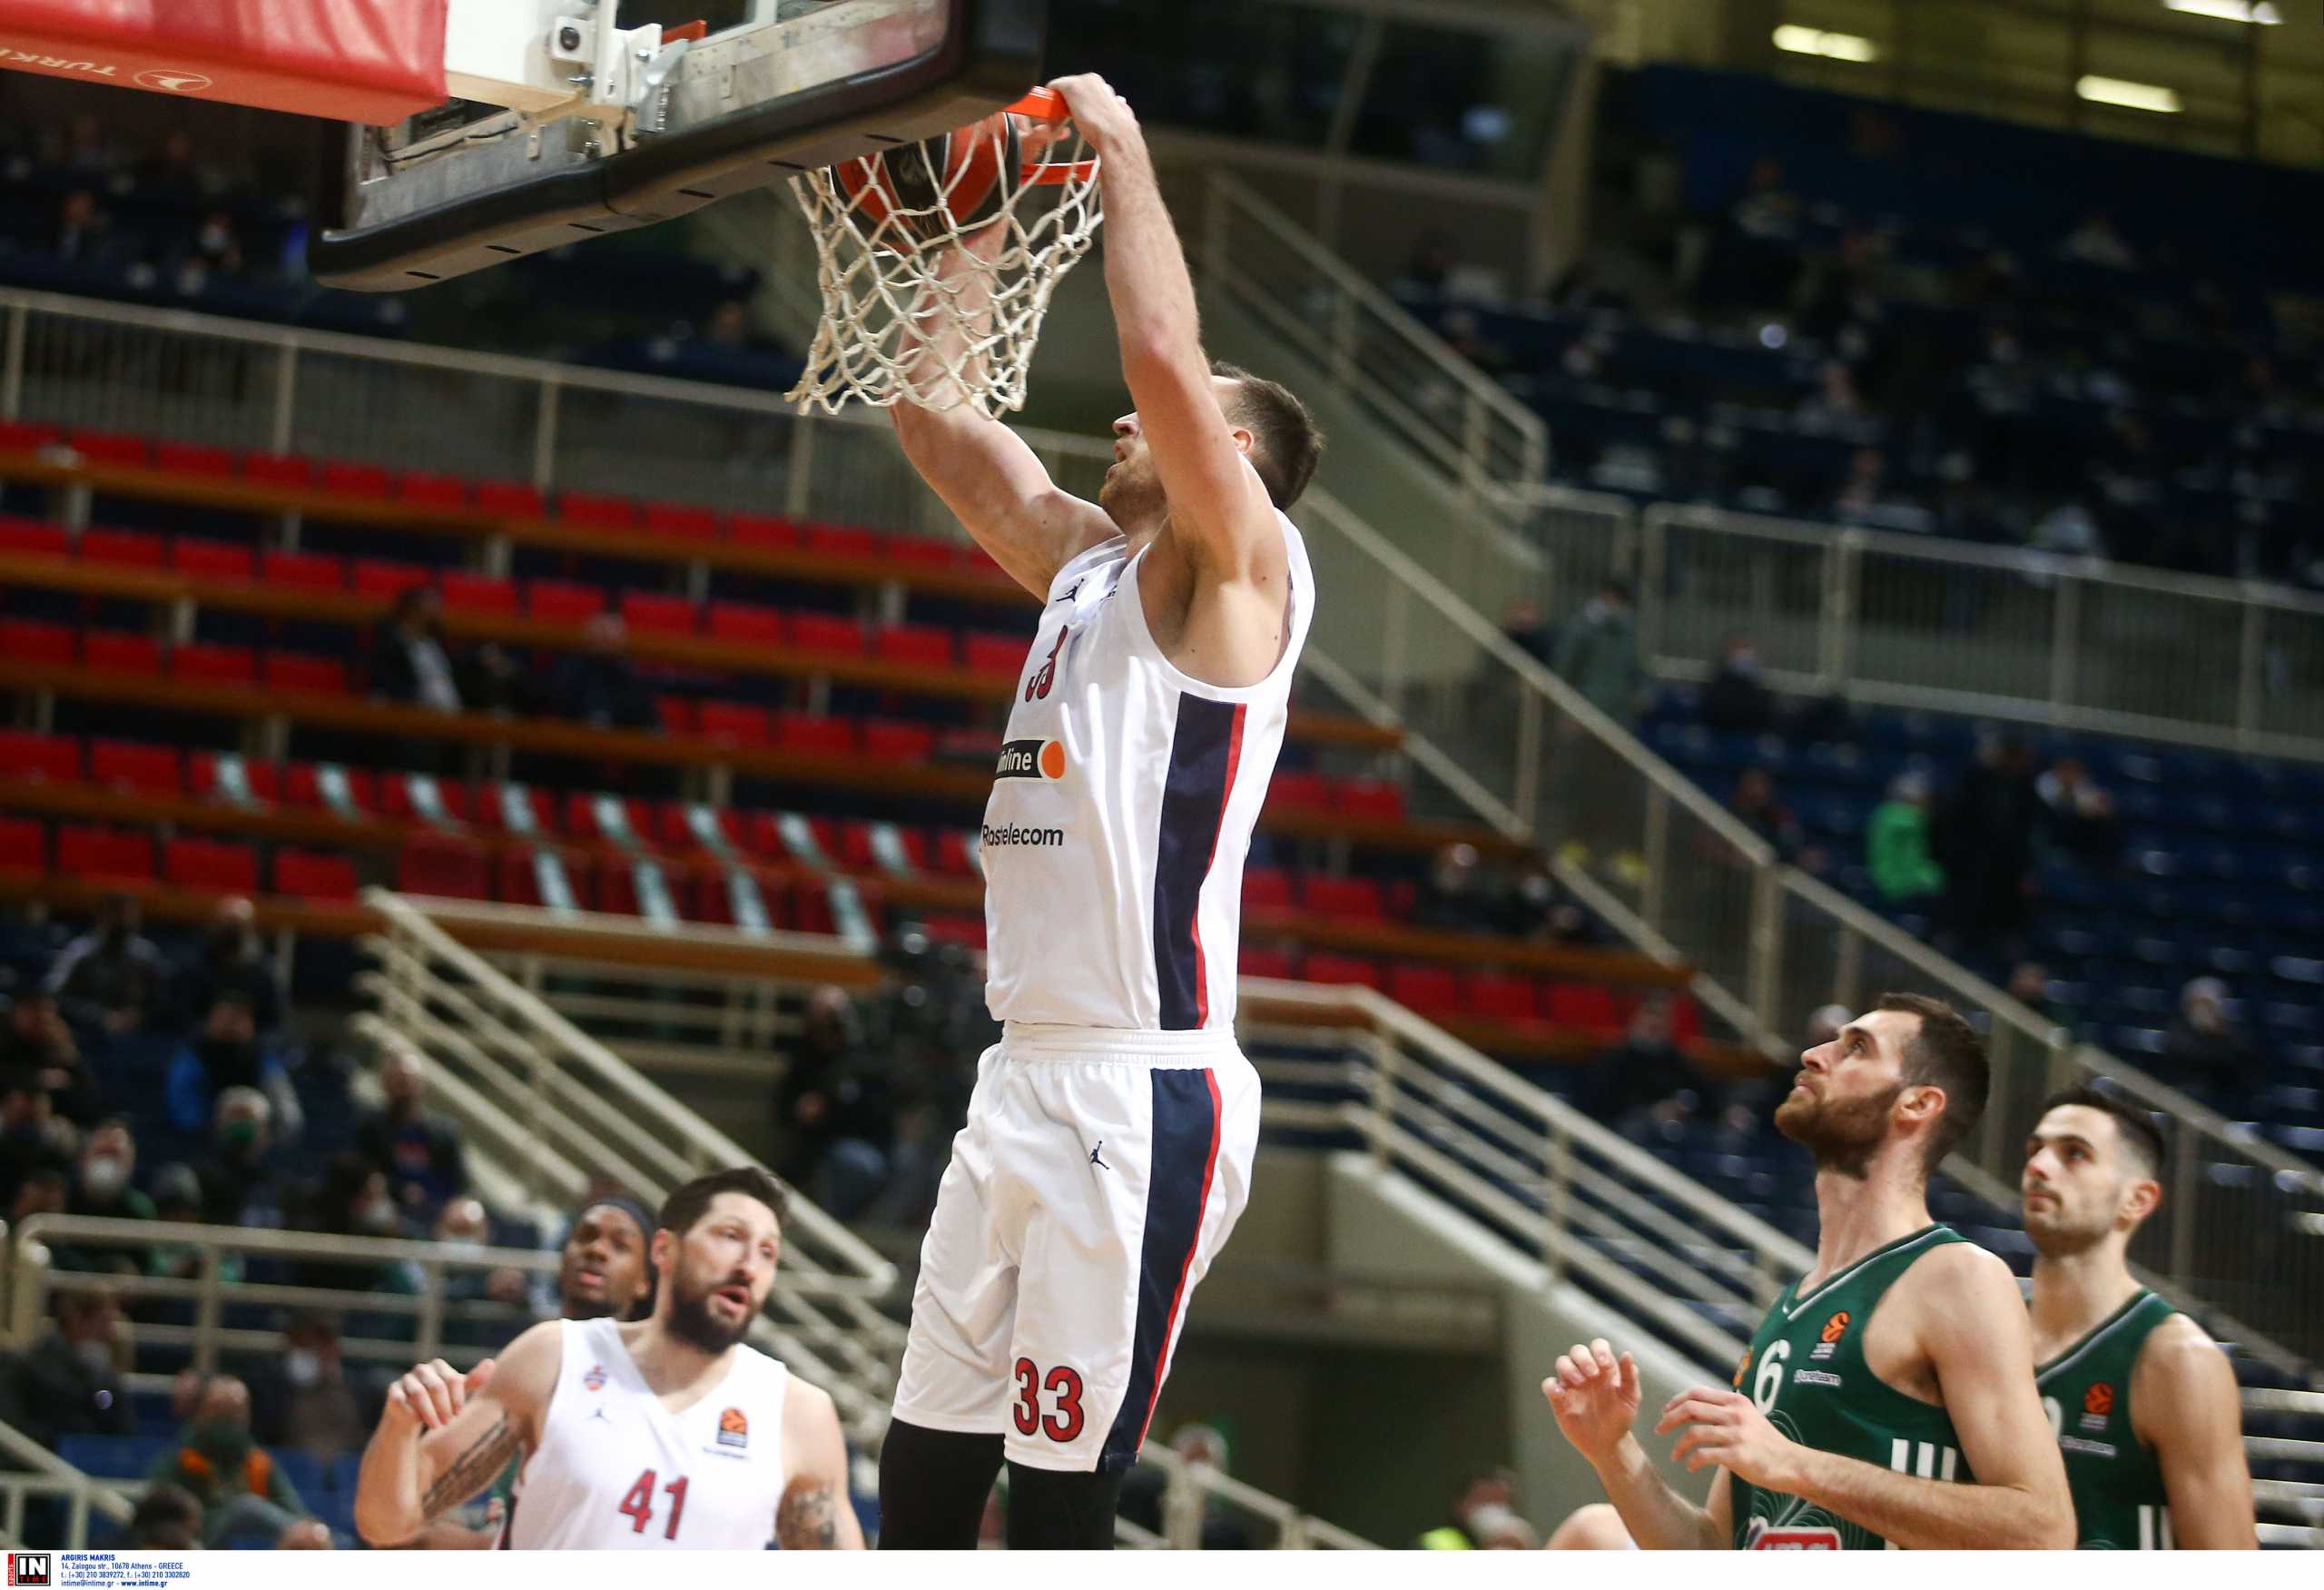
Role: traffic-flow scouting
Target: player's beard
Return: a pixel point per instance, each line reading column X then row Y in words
column 1843, row 1136
column 2055, row 1233
column 692, row 1322
column 1131, row 494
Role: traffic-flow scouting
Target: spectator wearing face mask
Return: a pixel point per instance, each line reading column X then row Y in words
column 69, row 1382
column 1738, row 701
column 102, row 1190
column 420, row 1153
column 111, row 977
column 232, row 962
column 178, row 1201
column 464, row 1230
column 224, row 1053
column 239, row 1487
column 309, row 1398
column 243, row 1175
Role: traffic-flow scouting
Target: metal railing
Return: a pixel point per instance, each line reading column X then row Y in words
column 29, row 1470
column 1691, row 1266
column 565, row 1109
column 1405, row 375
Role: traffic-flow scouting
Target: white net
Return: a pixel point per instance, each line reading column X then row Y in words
column 936, row 263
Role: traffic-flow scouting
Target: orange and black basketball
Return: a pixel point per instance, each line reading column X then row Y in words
column 930, row 193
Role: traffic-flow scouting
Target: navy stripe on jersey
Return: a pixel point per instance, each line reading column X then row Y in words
column 1204, row 748
column 1182, row 1160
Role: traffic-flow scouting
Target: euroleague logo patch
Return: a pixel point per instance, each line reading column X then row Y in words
column 1043, row 759
column 595, row 1378
column 1829, row 1342
column 2096, row 1404
column 734, row 1428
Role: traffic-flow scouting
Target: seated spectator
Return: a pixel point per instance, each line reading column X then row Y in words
column 1484, row 1495
column 2210, row 1053
column 231, row 960
column 309, row 1398
column 38, row 1047
column 834, row 1109
column 178, row 1200
column 600, row 686
column 69, row 1382
column 1737, row 701
column 226, row 1054
column 1644, row 1081
column 420, row 1153
column 34, row 1141
column 2082, row 820
column 1755, row 802
column 463, row 1229
column 353, row 1201
column 111, row 977
column 2029, row 985
column 84, row 233
column 102, row 1189
column 239, row 1487
column 43, row 1193
column 242, row 1176
column 409, row 662
column 167, row 1518
column 1896, row 844
column 1455, row 897
column 1596, row 653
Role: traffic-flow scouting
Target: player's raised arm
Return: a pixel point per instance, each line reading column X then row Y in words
column 983, row 469
column 815, row 1514
column 1595, row 1397
column 1221, row 518
column 2190, row 1413
column 443, row 1436
column 1974, row 1328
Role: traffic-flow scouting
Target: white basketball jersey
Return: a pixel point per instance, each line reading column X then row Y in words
column 1121, row 812
column 617, row 1471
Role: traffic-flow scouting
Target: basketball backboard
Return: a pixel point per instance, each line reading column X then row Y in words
column 578, row 119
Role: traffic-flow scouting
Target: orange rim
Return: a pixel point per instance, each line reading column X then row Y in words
column 1046, row 104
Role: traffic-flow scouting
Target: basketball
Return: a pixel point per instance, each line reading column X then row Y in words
column 930, row 193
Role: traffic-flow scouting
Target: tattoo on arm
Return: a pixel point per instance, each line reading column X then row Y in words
column 804, row 1521
column 473, row 1470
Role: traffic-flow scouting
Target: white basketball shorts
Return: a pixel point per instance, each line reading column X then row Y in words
column 1099, row 1174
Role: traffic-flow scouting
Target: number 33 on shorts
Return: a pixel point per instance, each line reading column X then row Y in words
column 1062, row 1421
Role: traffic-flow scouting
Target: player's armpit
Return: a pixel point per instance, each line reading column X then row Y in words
column 1000, row 492
column 2192, row 1413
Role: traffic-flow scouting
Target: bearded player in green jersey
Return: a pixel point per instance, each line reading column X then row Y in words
column 2143, row 1403
column 1890, row 1391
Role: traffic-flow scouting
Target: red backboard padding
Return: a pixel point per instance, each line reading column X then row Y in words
column 374, row 61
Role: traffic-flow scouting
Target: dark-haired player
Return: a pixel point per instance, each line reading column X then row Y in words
column 1888, row 1397
column 665, row 1434
column 2143, row 1403
column 1108, row 1144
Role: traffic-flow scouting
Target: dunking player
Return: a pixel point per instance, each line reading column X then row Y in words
column 665, row 1434
column 2143, row 1402
column 1108, row 1148
column 1891, row 1393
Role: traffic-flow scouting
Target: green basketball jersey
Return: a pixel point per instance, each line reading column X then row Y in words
column 1807, row 1372
column 2119, row 1500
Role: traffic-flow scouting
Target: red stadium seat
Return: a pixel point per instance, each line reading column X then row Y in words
column 23, row 847
column 965, row 930
column 396, row 794
column 384, row 580
column 278, row 470
column 1266, row 889
column 351, row 479
column 858, row 851
column 492, row 808
column 132, row 548
column 119, row 653
column 451, row 868
column 731, row 720
column 921, row 549
column 996, row 654
column 202, row 559
column 1589, row 1006
column 264, row 779
column 17, row 437
column 214, row 665
column 1433, row 990
column 673, row 823
column 1303, row 790
column 593, row 512
column 517, row 880
column 761, row 529
column 25, row 640
column 1501, row 996
column 678, row 520
column 109, row 854
column 1258, row 963
column 822, row 632
column 1371, row 797
column 54, row 757
column 898, row 742
column 581, row 818
column 846, row 541
column 952, row 853
column 292, row 670
column 206, row 863
column 23, row 535
column 308, row 875
column 477, row 593
column 1353, row 897
column 1342, row 969
column 302, row 785
column 802, row 731
column 921, row 644
column 422, row 490
column 106, row 447
column 742, row 622
column 508, row 499
column 145, row 769
column 659, row 614
column 558, row 601
column 185, row 457
column 677, row 715
column 309, row 571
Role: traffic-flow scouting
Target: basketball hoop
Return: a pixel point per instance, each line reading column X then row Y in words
column 937, row 259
